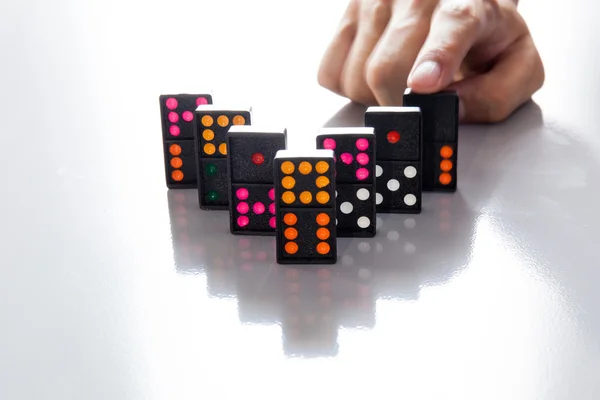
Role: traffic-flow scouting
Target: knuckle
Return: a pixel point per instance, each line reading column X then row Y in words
column 378, row 74
column 377, row 10
column 465, row 11
column 358, row 92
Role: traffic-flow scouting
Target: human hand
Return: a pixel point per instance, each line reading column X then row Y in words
column 482, row 49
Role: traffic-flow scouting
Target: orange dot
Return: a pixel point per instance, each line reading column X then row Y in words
column 176, row 162
column 177, row 175
column 223, row 121
column 323, row 219
column 208, row 135
column 446, row 165
column 290, row 219
column 291, row 248
column 223, row 148
column 210, row 149
column 323, row 197
column 323, row 248
column 446, row 151
column 287, row 167
column 322, row 167
column 291, row 233
column 288, row 182
column 445, row 178
column 305, row 197
column 288, row 197
column 305, row 168
column 207, row 120
column 175, row 149
column 239, row 120
column 322, row 181
column 323, row 233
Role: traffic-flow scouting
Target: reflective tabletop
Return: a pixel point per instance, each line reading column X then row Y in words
column 113, row 287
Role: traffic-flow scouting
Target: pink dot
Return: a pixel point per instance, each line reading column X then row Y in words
column 173, row 117
column 272, row 223
column 174, row 130
column 272, row 208
column 362, row 174
column 329, row 144
column 362, row 144
column 243, row 207
column 272, row 194
column 188, row 116
column 243, row 221
column 261, row 255
column 346, row 158
column 258, row 208
column 172, row 103
column 362, row 158
column 242, row 193
column 201, row 100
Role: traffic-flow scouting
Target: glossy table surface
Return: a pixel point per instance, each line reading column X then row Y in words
column 112, row 287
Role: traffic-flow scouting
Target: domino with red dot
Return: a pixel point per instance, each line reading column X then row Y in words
column 177, row 122
column 250, row 178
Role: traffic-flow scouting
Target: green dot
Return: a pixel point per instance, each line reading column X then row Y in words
column 212, row 195
column 211, row 169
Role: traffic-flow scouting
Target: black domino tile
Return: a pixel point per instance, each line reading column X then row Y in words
column 253, row 209
column 396, row 181
column 180, row 164
column 397, row 131
column 354, row 150
column 213, row 189
column 356, row 212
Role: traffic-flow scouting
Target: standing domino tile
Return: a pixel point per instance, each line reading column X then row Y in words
column 250, row 173
column 354, row 150
column 440, row 138
column 177, row 122
column 305, row 207
column 212, row 125
column 398, row 132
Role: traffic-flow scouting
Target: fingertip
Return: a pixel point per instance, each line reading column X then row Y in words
column 425, row 77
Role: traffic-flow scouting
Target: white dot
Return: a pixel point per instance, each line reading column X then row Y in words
column 378, row 198
column 364, row 273
column 393, row 185
column 409, row 248
column 363, row 222
column 347, row 260
column 336, row 221
column 410, row 223
column 363, row 194
column 410, row 172
column 410, row 199
column 393, row 236
column 346, row 207
column 364, row 247
column 378, row 171
column 336, row 194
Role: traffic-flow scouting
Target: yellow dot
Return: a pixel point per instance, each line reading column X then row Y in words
column 305, row 197
column 207, row 120
column 322, row 181
column 287, row 167
column 208, row 134
column 305, row 168
column 288, row 182
column 322, row 167
column 323, row 197
column 223, row 121
column 223, row 148
column 210, row 149
column 239, row 120
column 288, row 197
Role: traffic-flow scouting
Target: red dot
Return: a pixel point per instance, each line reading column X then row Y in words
column 174, row 130
column 258, row 158
column 188, row 116
column 173, row 117
column 201, row 100
column 172, row 103
column 393, row 137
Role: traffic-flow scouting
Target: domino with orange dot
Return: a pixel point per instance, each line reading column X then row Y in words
column 252, row 151
column 305, row 207
column 210, row 139
column 440, row 138
column 177, row 122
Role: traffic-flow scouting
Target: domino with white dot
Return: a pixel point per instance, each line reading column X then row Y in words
column 398, row 187
column 355, row 210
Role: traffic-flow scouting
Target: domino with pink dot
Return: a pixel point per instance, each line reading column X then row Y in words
column 177, row 121
column 355, row 152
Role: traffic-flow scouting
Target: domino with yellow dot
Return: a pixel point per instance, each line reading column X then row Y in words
column 212, row 125
column 305, row 207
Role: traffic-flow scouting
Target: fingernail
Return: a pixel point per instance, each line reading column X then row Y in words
column 426, row 74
